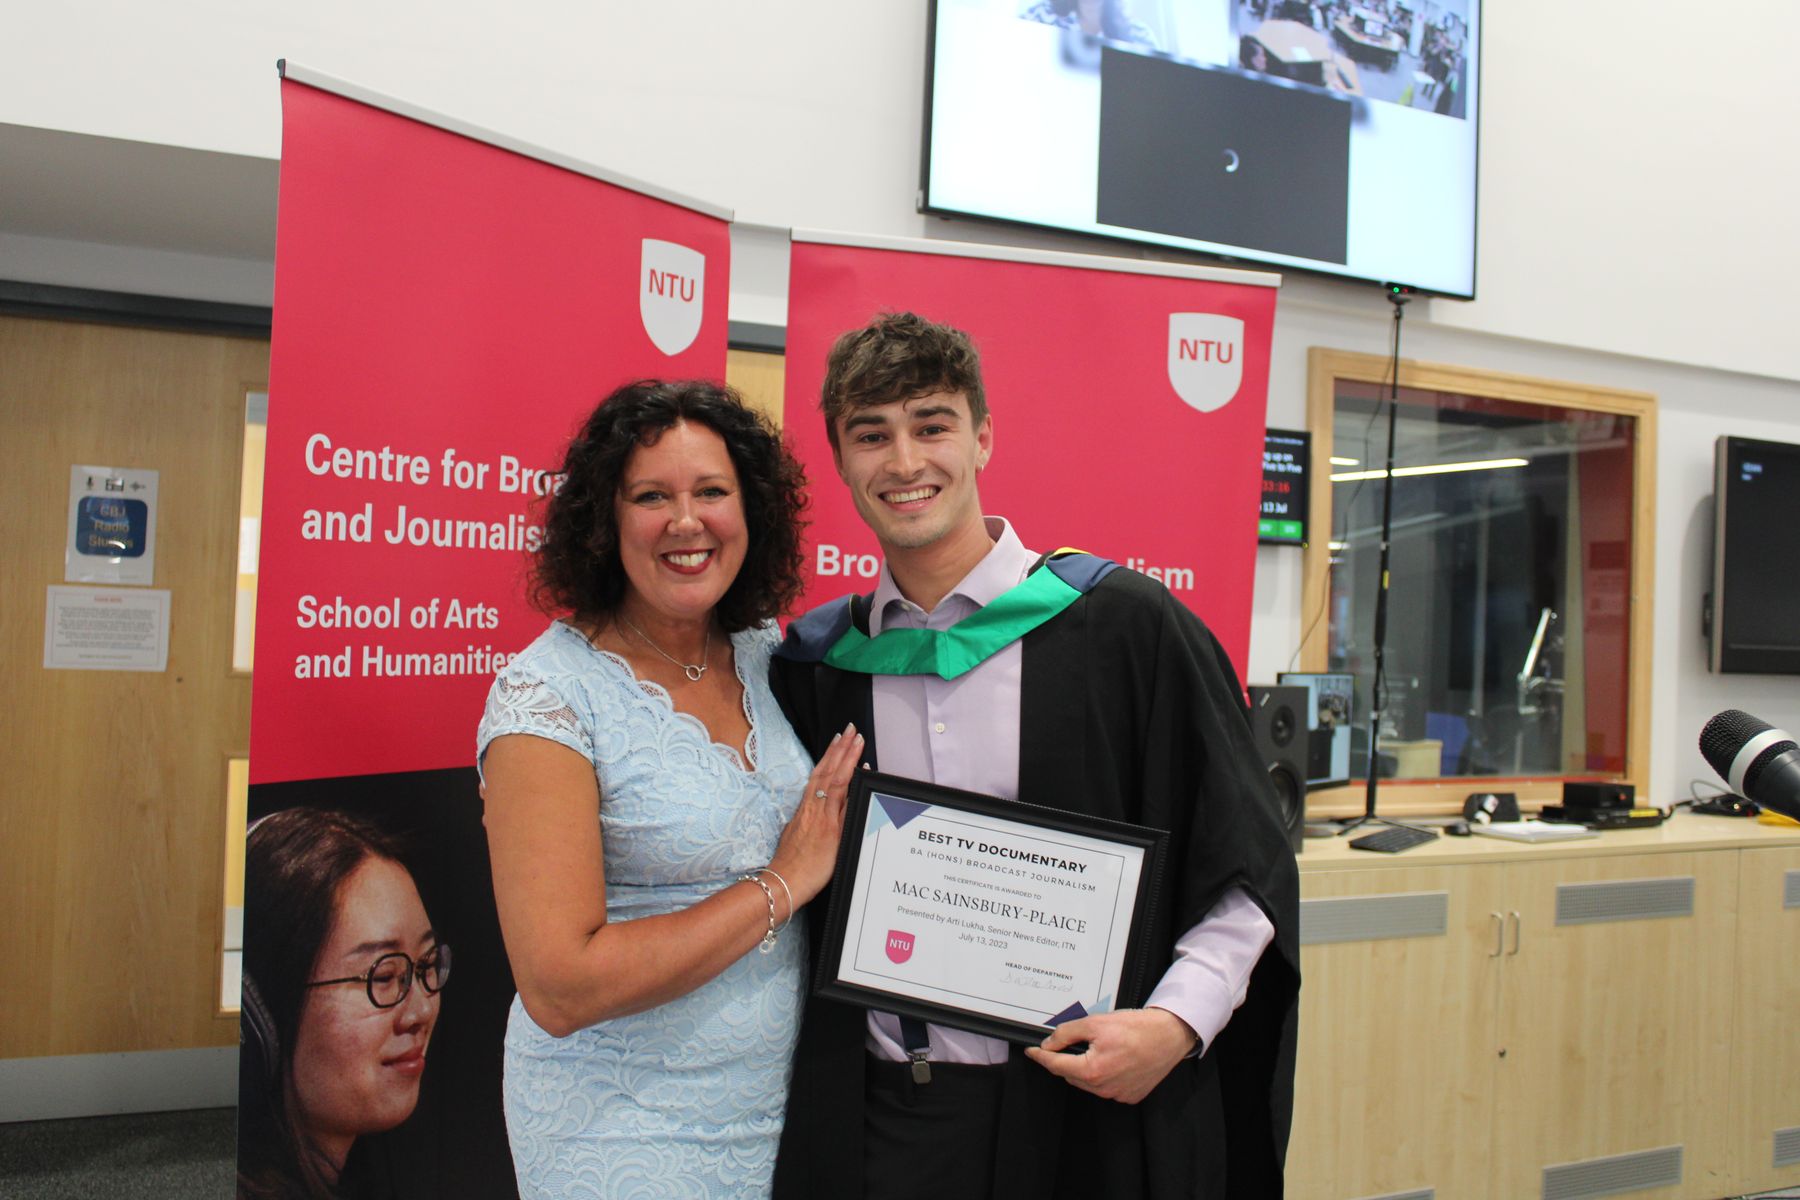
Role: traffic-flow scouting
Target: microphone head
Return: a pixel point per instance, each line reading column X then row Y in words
column 1725, row 737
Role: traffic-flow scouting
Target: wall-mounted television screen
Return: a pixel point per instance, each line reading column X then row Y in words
column 1754, row 608
column 1336, row 136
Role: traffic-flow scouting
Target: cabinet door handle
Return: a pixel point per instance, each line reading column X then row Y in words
column 1499, row 934
column 1513, row 916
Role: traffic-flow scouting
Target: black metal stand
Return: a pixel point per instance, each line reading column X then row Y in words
column 1398, row 297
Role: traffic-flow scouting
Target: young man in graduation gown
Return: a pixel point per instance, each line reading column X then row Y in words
column 1073, row 684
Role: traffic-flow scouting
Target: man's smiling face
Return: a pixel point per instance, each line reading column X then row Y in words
column 911, row 466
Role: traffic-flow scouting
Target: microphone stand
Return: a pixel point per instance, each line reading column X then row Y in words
column 1398, row 296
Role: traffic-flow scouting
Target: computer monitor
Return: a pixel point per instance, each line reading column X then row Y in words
column 1328, row 722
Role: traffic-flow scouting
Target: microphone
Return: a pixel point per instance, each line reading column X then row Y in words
column 1755, row 759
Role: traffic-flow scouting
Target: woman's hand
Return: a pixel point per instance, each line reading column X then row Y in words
column 808, row 850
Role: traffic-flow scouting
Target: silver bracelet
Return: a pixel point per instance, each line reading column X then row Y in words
column 768, row 942
column 785, row 888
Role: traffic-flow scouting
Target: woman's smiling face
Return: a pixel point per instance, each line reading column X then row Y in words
column 356, row 1067
column 680, row 515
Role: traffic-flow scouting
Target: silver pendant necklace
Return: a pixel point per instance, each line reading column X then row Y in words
column 693, row 671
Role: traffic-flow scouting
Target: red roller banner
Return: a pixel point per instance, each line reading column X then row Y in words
column 449, row 305
column 1129, row 402
column 445, row 311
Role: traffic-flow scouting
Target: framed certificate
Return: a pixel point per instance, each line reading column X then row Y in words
column 984, row 914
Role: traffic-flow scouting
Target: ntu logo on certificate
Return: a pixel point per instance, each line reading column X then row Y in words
column 671, row 289
column 899, row 946
column 1206, row 359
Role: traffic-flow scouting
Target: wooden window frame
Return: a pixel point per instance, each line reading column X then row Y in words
column 1406, row 797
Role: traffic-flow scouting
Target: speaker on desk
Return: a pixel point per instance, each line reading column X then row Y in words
column 1278, row 725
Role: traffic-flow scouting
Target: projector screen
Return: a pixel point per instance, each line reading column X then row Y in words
column 1333, row 136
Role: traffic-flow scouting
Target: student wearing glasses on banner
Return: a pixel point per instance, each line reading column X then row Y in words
column 342, row 971
column 652, row 821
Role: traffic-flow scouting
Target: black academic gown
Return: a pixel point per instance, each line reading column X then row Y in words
column 1129, row 710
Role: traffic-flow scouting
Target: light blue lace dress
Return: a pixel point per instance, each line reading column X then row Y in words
column 685, row 1100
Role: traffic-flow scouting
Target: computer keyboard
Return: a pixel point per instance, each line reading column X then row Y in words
column 1393, row 839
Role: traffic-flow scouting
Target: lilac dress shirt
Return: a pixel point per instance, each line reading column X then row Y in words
column 964, row 733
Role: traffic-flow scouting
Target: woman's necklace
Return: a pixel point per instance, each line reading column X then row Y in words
column 692, row 670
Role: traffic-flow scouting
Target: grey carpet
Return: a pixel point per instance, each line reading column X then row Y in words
column 145, row 1156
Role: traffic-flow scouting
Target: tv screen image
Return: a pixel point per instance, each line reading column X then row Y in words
column 1328, row 722
column 1326, row 136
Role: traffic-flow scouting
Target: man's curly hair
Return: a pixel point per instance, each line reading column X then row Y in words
column 576, row 568
column 899, row 356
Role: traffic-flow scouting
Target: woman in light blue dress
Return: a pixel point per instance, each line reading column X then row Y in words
column 652, row 821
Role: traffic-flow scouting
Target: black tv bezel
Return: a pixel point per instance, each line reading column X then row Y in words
column 1248, row 260
column 1722, row 658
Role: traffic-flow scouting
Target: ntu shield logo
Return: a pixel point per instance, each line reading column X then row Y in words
column 671, row 292
column 899, row 946
column 1206, row 359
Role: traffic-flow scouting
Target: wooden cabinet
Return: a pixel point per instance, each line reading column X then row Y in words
column 1615, row 1026
column 1494, row 1021
column 1766, row 1030
column 1377, row 1109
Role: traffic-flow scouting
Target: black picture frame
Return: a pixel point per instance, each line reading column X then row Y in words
column 1134, row 974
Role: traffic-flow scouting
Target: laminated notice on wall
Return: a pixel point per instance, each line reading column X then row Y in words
column 112, row 525
column 106, row 629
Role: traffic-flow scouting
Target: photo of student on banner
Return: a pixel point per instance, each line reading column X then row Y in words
column 340, row 998
column 651, row 818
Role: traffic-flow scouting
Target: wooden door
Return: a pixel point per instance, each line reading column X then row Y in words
column 758, row 376
column 112, row 805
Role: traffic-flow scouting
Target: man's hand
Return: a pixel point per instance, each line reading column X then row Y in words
column 1128, row 1052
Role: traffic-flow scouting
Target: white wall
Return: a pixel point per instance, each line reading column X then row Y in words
column 1634, row 186
column 110, row 267
column 1637, row 158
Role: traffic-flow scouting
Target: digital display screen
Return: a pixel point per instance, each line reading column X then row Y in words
column 1756, row 622
column 1287, row 455
column 1332, row 136
column 1331, row 703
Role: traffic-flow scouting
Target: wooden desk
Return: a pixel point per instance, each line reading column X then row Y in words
column 1422, row 759
column 1294, row 43
column 1491, row 1018
column 1384, row 51
column 1296, row 46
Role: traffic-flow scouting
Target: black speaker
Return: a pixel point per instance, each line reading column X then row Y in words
column 1278, row 724
column 1592, row 794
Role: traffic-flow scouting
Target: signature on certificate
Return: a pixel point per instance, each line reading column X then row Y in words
column 1042, row 983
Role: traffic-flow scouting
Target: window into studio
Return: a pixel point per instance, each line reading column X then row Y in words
column 237, row 802
column 243, row 648
column 250, row 490
column 1518, row 622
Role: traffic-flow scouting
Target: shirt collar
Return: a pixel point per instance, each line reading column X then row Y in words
column 1002, row 568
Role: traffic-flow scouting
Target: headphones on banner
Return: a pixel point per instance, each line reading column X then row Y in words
column 259, row 1047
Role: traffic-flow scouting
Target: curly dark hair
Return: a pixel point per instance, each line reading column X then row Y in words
column 898, row 356
column 576, row 568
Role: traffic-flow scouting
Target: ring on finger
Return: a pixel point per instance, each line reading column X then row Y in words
column 819, row 794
